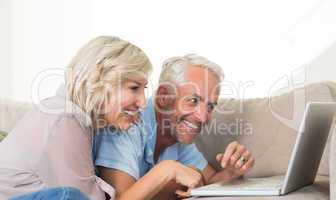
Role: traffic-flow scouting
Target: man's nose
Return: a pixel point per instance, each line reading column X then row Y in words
column 201, row 113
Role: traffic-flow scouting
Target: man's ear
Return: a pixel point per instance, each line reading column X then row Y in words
column 165, row 96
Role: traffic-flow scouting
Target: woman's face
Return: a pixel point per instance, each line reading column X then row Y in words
column 125, row 104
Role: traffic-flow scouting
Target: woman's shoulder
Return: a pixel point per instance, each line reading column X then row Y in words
column 58, row 110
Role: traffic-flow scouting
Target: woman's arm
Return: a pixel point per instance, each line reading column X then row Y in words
column 67, row 160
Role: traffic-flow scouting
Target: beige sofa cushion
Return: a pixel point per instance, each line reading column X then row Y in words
column 3, row 134
column 11, row 112
column 268, row 127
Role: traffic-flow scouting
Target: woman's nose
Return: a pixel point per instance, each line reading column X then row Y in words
column 141, row 100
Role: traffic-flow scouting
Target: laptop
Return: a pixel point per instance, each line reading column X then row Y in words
column 304, row 162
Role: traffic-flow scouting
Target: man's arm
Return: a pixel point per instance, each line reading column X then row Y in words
column 156, row 182
column 210, row 175
column 126, row 186
column 173, row 190
column 168, row 192
column 232, row 163
column 120, row 180
column 190, row 157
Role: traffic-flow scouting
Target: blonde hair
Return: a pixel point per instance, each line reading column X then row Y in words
column 102, row 63
column 173, row 69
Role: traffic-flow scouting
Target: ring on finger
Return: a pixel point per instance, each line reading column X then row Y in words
column 242, row 160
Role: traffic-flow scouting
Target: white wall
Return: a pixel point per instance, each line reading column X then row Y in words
column 324, row 66
column 254, row 41
column 5, row 49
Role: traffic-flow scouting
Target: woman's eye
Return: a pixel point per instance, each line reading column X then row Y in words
column 134, row 88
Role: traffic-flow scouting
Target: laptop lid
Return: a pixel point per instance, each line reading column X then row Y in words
column 309, row 146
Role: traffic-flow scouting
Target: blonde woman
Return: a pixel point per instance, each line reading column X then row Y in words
column 49, row 152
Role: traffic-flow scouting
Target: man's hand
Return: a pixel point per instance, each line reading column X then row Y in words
column 186, row 191
column 236, row 159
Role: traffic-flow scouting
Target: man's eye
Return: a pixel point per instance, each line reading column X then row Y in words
column 211, row 106
column 194, row 101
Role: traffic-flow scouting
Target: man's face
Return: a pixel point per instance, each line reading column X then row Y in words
column 194, row 102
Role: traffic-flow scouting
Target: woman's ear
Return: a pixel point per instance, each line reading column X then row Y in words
column 165, row 97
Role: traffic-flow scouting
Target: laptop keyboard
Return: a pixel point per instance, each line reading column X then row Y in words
column 250, row 184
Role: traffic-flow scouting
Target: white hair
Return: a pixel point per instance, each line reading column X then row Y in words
column 173, row 69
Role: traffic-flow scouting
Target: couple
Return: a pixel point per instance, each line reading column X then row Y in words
column 98, row 138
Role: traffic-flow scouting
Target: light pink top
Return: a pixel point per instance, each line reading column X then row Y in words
column 50, row 147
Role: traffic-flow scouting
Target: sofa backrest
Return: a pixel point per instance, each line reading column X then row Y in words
column 267, row 126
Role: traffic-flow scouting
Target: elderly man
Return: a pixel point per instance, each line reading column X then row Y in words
column 183, row 103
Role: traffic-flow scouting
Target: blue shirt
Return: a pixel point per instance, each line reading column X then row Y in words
column 133, row 151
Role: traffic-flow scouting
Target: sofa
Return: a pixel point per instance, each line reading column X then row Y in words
column 266, row 126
